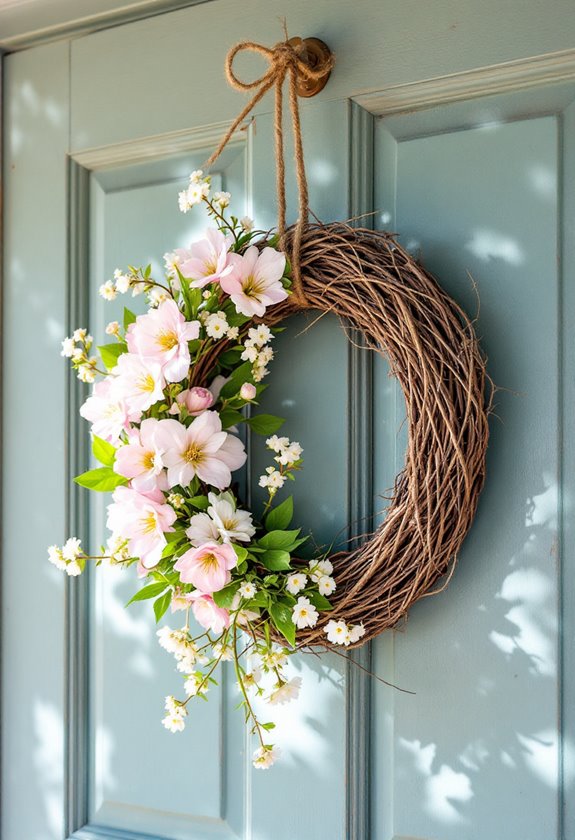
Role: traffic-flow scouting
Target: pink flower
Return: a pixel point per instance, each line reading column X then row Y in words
column 141, row 459
column 162, row 336
column 108, row 414
column 255, row 281
column 142, row 519
column 139, row 383
column 206, row 261
column 196, row 400
column 209, row 615
column 202, row 449
column 208, row 566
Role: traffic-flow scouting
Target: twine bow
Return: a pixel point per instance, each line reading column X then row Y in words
column 284, row 60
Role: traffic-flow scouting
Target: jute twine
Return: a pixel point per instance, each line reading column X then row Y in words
column 368, row 280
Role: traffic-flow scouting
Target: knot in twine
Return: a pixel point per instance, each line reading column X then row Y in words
column 284, row 60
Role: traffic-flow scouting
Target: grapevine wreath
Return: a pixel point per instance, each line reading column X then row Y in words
column 176, row 387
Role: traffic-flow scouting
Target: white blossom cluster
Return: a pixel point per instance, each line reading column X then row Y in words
column 288, row 455
column 341, row 633
column 257, row 351
column 217, row 326
column 77, row 348
column 69, row 558
column 197, row 190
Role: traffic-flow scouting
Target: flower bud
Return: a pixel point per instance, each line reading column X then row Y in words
column 196, row 400
column 248, row 391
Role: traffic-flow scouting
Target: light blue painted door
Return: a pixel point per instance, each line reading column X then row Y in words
column 101, row 132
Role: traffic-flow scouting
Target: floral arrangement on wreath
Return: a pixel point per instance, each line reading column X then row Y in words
column 168, row 448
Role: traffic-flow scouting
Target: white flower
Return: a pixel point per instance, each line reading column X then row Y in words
column 174, row 722
column 275, row 659
column 107, row 290
column 113, row 328
column 206, row 294
column 290, row 454
column 259, row 372
column 337, row 632
column 242, row 616
column 80, row 335
column 72, row 549
column 326, row 585
column 250, row 354
column 216, row 325
column 202, row 530
column 178, row 643
column 264, row 757
column 223, row 652
column 222, row 198
column 296, row 582
column 274, row 479
column 247, row 223
column 78, row 354
column 259, row 335
column 196, row 176
column 319, row 568
column 356, row 632
column 247, row 589
column 265, row 355
column 55, row 556
column 122, row 281
column 285, row 691
column 68, row 347
column 233, row 332
column 138, row 289
column 304, row 613
column 171, row 264
column 253, row 673
column 277, row 444
column 157, row 296
column 196, row 684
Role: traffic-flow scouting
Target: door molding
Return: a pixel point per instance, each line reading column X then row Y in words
column 507, row 77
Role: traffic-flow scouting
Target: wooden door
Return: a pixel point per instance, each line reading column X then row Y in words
column 470, row 167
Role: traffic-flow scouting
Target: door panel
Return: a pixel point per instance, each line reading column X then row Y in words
column 480, row 206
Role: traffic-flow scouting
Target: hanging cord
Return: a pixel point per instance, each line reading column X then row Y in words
column 284, row 61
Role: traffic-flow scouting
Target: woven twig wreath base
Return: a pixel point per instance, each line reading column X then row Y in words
column 375, row 286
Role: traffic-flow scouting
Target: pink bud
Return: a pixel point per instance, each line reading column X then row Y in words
column 248, row 391
column 196, row 400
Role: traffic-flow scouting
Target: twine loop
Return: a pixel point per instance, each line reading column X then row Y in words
column 284, row 61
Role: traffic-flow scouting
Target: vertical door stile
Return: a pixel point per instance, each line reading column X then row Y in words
column 360, row 488
column 77, row 511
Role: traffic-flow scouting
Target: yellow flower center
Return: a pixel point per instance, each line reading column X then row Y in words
column 210, row 267
column 148, row 522
column 167, row 339
column 252, row 287
column 147, row 460
column 210, row 563
column 193, row 454
column 146, row 383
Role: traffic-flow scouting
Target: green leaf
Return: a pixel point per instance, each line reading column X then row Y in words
column 102, row 479
column 161, row 604
column 280, row 517
column 111, row 352
column 237, row 379
column 241, row 552
column 103, row 451
column 260, row 600
column 269, row 726
column 224, row 597
column 200, row 502
column 149, row 591
column 229, row 358
column 129, row 317
column 276, row 560
column 229, row 417
column 279, row 539
column 265, row 424
column 319, row 601
column 281, row 617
